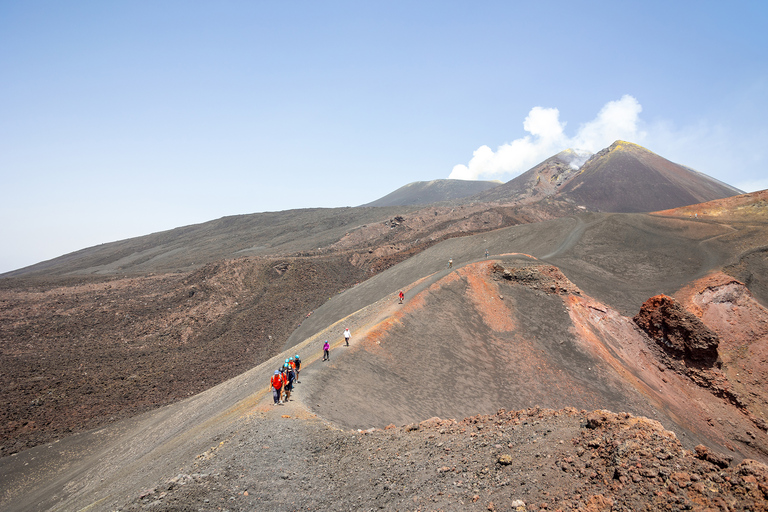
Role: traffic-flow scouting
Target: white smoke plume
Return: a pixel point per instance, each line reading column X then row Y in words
column 617, row 120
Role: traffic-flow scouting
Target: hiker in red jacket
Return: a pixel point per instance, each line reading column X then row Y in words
column 402, row 296
column 277, row 386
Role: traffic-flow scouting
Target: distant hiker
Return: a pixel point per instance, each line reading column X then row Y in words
column 450, row 263
column 347, row 335
column 486, row 254
column 326, row 351
column 277, row 386
column 297, row 362
column 402, row 296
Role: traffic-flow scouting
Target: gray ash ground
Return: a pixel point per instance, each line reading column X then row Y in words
column 523, row 460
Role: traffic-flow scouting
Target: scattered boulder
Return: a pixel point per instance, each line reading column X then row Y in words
column 596, row 419
column 720, row 460
column 505, row 459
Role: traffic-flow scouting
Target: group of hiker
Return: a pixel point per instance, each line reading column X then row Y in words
column 288, row 374
column 284, row 379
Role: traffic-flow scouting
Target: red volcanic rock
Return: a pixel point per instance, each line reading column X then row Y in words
column 704, row 453
column 677, row 330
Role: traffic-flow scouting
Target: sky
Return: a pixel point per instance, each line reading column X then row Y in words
column 124, row 118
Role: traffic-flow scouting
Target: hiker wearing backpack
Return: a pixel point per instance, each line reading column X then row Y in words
column 290, row 376
column 284, row 373
column 297, row 362
column 277, row 386
column 292, row 362
column 347, row 335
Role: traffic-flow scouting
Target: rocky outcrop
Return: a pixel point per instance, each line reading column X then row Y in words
column 680, row 333
column 546, row 278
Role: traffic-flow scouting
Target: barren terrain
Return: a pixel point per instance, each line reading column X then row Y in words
column 549, row 327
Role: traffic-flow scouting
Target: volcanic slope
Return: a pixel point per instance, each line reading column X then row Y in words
column 478, row 328
column 623, row 178
column 435, row 191
column 542, row 180
column 516, row 332
column 113, row 331
column 513, row 331
column 626, row 177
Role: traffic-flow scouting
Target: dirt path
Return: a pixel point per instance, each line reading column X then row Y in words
column 571, row 240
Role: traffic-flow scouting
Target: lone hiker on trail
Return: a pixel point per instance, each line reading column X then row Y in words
column 402, row 296
column 347, row 335
column 326, row 351
column 450, row 263
column 277, row 386
column 486, row 254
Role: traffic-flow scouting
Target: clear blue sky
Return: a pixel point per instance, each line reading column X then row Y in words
column 119, row 119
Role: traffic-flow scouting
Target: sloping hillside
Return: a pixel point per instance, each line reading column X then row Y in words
column 537, row 183
column 435, row 191
column 518, row 332
column 190, row 247
column 112, row 345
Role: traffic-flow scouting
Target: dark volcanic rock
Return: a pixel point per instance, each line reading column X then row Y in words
column 676, row 330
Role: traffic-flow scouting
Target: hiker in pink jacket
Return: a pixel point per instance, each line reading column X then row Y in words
column 326, row 349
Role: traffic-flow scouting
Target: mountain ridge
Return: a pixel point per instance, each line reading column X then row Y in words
column 552, row 188
column 434, row 191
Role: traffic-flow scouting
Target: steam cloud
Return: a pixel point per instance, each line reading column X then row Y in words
column 616, row 120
